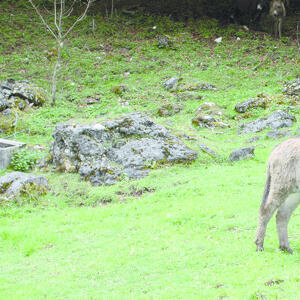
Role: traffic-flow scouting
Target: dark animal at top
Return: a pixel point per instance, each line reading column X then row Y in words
column 277, row 12
column 248, row 11
column 282, row 191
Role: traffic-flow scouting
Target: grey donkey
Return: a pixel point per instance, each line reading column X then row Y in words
column 282, row 191
column 277, row 12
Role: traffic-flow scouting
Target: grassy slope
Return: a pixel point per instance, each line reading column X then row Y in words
column 191, row 236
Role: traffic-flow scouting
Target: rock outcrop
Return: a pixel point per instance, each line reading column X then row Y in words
column 260, row 101
column 20, row 94
column 278, row 119
column 128, row 146
column 16, row 183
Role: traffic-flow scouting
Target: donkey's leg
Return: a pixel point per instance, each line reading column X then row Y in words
column 265, row 214
column 276, row 28
column 282, row 219
column 279, row 27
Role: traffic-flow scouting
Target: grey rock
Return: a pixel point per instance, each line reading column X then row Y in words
column 168, row 110
column 195, row 85
column 241, row 153
column 250, row 104
column 207, row 150
column 171, row 83
column 189, row 95
column 7, row 112
column 278, row 119
column 12, row 184
column 253, row 139
column 21, row 105
column 20, row 93
column 204, row 120
column 187, row 137
column 210, row 108
column 277, row 134
column 124, row 147
column 26, row 90
column 4, row 104
column 292, row 87
column 164, row 42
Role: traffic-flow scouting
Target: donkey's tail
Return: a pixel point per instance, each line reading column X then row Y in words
column 266, row 190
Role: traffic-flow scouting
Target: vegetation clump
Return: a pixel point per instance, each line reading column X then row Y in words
column 24, row 160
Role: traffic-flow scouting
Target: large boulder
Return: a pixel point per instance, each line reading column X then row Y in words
column 124, row 147
column 278, row 119
column 20, row 94
column 15, row 183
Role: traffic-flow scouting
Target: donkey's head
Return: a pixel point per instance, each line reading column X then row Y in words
column 277, row 9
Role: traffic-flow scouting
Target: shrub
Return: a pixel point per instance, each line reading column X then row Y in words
column 23, row 160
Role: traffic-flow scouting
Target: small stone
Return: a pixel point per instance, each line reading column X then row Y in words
column 292, row 87
column 203, row 120
column 210, row 108
column 164, row 42
column 207, row 150
column 195, row 85
column 171, row 83
column 168, row 110
column 189, row 95
column 253, row 139
column 242, row 153
column 7, row 112
column 120, row 89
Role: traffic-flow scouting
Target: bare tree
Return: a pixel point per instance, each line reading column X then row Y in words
column 57, row 30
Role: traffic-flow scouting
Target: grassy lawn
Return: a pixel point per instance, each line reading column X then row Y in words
column 183, row 232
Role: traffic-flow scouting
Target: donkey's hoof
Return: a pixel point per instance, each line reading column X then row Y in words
column 259, row 248
column 286, row 249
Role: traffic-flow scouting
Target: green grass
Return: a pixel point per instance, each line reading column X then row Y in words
column 183, row 232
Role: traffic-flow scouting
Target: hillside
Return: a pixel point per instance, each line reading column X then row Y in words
column 185, row 231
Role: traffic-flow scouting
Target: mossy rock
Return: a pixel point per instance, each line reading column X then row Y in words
column 169, row 109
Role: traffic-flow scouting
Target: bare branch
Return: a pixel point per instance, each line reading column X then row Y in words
column 69, row 10
column 68, row 13
column 47, row 10
column 79, row 18
column 41, row 17
column 55, row 15
column 60, row 19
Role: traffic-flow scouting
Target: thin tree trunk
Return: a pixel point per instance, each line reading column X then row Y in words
column 54, row 75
